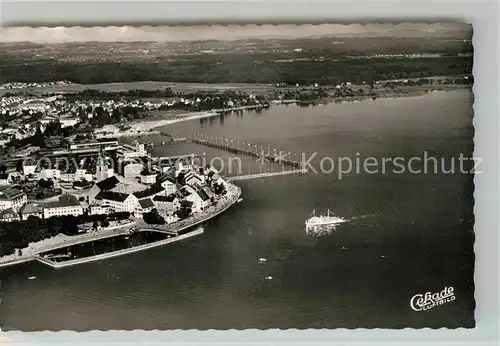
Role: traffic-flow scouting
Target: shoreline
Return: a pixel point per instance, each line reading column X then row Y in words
column 147, row 128
column 150, row 127
column 60, row 240
column 122, row 252
column 33, row 250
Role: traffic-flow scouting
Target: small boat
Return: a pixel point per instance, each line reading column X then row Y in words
column 383, row 257
column 239, row 200
column 344, row 248
column 262, row 260
column 269, row 278
column 32, row 277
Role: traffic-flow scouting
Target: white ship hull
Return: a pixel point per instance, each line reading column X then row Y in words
column 319, row 225
column 325, row 222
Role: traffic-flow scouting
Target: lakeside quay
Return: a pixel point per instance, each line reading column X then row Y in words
column 233, row 194
column 61, row 240
column 58, row 265
column 32, row 252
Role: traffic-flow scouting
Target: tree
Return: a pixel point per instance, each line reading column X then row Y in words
column 46, row 183
column 38, row 139
column 153, row 218
column 169, row 92
column 69, row 225
column 219, row 188
column 80, row 137
column 183, row 212
column 19, row 165
column 53, row 128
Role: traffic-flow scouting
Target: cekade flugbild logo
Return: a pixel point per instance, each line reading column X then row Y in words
column 428, row 300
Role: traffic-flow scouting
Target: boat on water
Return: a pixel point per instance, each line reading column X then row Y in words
column 262, row 260
column 269, row 278
column 239, row 200
column 322, row 224
column 32, row 277
column 68, row 255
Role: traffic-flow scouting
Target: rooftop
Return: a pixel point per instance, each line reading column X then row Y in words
column 8, row 214
column 108, row 184
column 169, row 198
column 30, row 209
column 149, row 192
column 146, row 203
column 64, row 201
column 203, row 195
column 165, row 178
column 186, row 203
column 10, row 193
column 112, row 196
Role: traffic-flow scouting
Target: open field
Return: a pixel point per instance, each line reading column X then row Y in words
column 327, row 60
column 144, row 85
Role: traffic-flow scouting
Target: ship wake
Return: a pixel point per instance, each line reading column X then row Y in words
column 325, row 224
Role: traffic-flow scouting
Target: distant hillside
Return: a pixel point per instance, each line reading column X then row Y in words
column 325, row 60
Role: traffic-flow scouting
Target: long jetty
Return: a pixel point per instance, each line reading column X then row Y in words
column 268, row 174
column 243, row 148
column 177, row 157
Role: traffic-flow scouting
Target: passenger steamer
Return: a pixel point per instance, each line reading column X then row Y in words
column 323, row 224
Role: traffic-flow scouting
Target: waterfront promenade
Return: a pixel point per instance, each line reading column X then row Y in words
column 61, row 240
column 232, row 196
column 32, row 252
column 58, row 265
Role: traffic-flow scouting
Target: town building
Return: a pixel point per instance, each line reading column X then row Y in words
column 66, row 205
column 5, row 179
column 99, row 144
column 67, row 122
column 150, row 192
column 12, row 198
column 217, row 179
column 131, row 169
column 29, row 169
column 148, row 178
column 8, row 215
column 145, row 205
column 193, row 179
column 171, row 218
column 30, row 210
column 101, row 168
column 200, row 202
column 166, row 204
column 50, row 173
column 141, row 150
column 169, row 184
column 117, row 201
column 96, row 209
column 115, row 183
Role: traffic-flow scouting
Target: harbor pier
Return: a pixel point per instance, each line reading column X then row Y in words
column 249, row 149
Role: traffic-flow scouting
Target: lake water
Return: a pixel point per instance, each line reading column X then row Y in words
column 417, row 235
column 103, row 246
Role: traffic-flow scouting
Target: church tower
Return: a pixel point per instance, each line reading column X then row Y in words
column 101, row 167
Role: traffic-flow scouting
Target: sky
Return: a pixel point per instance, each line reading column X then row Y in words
column 229, row 32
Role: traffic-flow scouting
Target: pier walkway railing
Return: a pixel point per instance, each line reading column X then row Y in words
column 248, row 149
column 269, row 174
